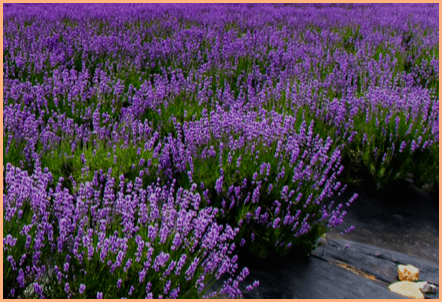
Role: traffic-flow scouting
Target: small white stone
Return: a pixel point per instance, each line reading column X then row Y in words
column 408, row 273
column 429, row 289
column 407, row 288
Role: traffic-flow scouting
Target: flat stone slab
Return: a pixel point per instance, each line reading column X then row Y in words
column 376, row 262
column 358, row 272
column 315, row 279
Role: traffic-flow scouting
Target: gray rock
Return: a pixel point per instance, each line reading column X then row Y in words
column 429, row 289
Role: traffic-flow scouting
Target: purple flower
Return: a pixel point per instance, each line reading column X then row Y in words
column 402, row 147
column 276, row 223
column 349, row 229
column 82, row 288
column 160, row 261
column 254, row 285
column 174, row 293
column 257, row 211
column 128, row 264
column 38, row 290
column 11, row 260
column 191, row 270
column 9, row 240
column 21, row 278
column 219, row 184
column 99, row 295
column 141, row 275
column 66, row 267
column 352, row 199
column 167, row 287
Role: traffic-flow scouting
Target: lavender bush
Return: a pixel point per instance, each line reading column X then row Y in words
column 154, row 242
column 146, row 144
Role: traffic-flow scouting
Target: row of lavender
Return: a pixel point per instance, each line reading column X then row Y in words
column 144, row 144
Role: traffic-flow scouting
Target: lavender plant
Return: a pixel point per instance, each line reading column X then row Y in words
column 139, row 243
column 121, row 121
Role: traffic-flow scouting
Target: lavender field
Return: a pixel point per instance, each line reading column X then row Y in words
column 145, row 145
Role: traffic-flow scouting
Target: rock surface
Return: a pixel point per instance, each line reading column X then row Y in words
column 311, row 278
column 379, row 262
column 358, row 272
column 407, row 288
column 407, row 223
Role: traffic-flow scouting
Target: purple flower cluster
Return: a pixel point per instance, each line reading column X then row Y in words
column 175, row 219
column 129, row 130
